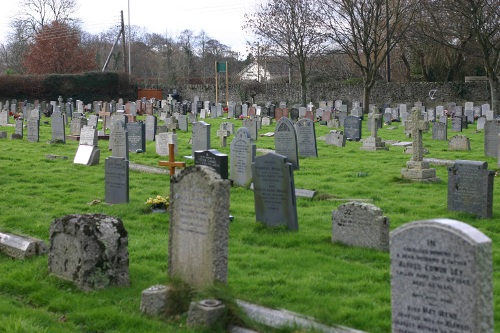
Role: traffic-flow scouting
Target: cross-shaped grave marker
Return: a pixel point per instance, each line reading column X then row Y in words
column 171, row 163
column 103, row 114
column 375, row 116
column 417, row 126
column 223, row 134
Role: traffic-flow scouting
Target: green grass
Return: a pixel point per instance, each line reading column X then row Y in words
column 299, row 271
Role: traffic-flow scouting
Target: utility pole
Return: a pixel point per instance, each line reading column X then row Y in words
column 388, row 42
column 125, row 68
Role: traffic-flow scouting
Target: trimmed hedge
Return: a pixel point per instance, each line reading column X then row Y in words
column 87, row 87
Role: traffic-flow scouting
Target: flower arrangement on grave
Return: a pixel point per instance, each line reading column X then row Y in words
column 158, row 202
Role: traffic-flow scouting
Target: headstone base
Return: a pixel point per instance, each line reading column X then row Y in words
column 205, row 313
column 420, row 172
column 154, row 300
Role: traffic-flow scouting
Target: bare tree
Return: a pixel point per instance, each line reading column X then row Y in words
column 367, row 30
column 38, row 13
column 291, row 30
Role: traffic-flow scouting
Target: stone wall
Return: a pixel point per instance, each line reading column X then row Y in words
column 382, row 92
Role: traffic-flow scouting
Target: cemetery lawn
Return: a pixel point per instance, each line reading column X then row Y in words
column 299, row 271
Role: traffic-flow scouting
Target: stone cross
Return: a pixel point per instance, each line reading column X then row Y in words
column 417, row 126
column 173, row 125
column 103, row 114
column 375, row 116
column 223, row 134
column 171, row 163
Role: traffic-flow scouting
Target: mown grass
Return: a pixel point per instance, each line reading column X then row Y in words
column 299, row 271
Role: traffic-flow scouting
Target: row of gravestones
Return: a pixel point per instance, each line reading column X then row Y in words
column 441, row 270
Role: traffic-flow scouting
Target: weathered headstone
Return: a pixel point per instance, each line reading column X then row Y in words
column 459, row 142
column 491, row 140
column 441, row 278
column 251, row 125
column 439, row 131
column 19, row 130
column 456, row 124
column 162, row 142
column 198, row 235
column 242, row 154
column 274, row 191
column 214, row 159
column 335, row 138
column 4, row 118
column 33, row 130
column 200, row 136
column 470, row 188
column 116, row 180
column 58, row 129
column 480, row 123
column 285, row 141
column 352, row 128
column 150, row 124
column 306, row 138
column 90, row 250
column 360, row 224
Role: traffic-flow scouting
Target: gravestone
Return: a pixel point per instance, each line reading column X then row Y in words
column 198, row 233
column 294, row 114
column 267, row 121
column 416, row 169
column 183, row 122
column 90, row 250
column 470, row 188
column 150, row 126
column 33, row 130
column 251, row 125
column 491, row 141
column 480, row 123
column 19, row 130
column 352, row 128
column 136, row 137
column 88, row 153
column 456, row 124
column 116, row 180
column 200, row 136
column 162, row 142
column 373, row 142
column 306, row 138
column 441, row 278
column 285, row 141
column 242, row 154
column 4, row 118
column 439, row 131
column 58, row 129
column 21, row 247
column 214, row 159
column 77, row 125
column 93, row 120
column 335, row 138
column 274, row 191
column 118, row 140
column 459, row 142
column 360, row 224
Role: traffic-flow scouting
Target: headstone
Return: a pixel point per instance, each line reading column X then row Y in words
column 87, row 153
column 118, row 140
column 294, row 114
column 19, row 129
column 90, row 250
column 306, row 138
column 285, row 141
column 470, row 188
column 441, row 278
column 136, row 137
column 242, row 154
column 77, row 125
column 200, row 136
column 33, row 130
column 480, row 123
column 373, row 142
column 274, row 191
column 491, row 141
column 214, row 159
column 150, row 125
column 4, row 118
column 162, row 142
column 439, row 131
column 116, row 180
column 198, row 235
column 360, row 224
column 251, row 125
column 335, row 138
column 352, row 128
column 183, row 123
column 21, row 247
column 58, row 129
column 459, row 142
column 93, row 120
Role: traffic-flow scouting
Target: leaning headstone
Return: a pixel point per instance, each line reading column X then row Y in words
column 116, row 180
column 90, row 250
column 136, row 137
column 441, row 278
column 214, row 159
column 491, row 141
column 285, row 141
column 470, row 188
column 21, row 247
column 306, row 138
column 58, row 129
column 198, row 235
column 335, row 138
column 88, row 153
column 352, row 128
column 242, row 154
column 360, row 224
column 439, row 131
column 459, row 142
column 200, row 136
column 274, row 191
column 33, row 130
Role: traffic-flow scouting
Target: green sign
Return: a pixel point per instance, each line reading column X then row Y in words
column 221, row 67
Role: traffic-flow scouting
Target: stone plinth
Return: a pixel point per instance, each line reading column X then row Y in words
column 419, row 171
column 374, row 143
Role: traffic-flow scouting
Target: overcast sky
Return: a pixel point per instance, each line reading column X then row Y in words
column 221, row 19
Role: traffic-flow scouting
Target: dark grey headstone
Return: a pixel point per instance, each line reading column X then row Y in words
column 199, row 227
column 90, row 250
column 439, row 131
column 294, row 114
column 470, row 188
column 242, row 153
column 491, row 142
column 136, row 137
column 214, row 159
column 441, row 278
column 285, row 141
column 116, row 180
column 352, row 128
column 274, row 191
column 200, row 136
column 306, row 138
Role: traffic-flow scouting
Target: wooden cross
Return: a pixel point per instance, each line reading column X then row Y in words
column 171, row 163
column 417, row 126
